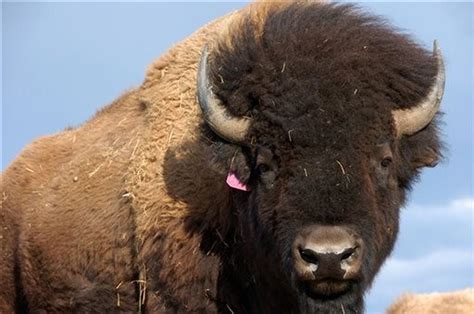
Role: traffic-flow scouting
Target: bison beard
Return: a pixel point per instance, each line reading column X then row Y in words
column 323, row 116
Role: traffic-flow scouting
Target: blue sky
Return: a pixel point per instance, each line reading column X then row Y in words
column 63, row 61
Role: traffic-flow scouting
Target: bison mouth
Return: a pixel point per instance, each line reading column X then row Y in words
column 327, row 289
column 329, row 296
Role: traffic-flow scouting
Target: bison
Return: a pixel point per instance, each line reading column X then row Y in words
column 259, row 168
column 458, row 302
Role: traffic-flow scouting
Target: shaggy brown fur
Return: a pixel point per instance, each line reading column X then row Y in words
column 458, row 302
column 130, row 211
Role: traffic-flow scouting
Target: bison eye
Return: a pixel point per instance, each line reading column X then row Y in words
column 386, row 162
column 262, row 168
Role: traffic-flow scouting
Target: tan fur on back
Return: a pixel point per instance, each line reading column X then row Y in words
column 458, row 302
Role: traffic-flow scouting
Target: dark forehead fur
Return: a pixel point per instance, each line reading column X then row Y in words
column 318, row 71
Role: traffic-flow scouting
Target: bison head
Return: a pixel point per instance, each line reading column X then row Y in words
column 332, row 115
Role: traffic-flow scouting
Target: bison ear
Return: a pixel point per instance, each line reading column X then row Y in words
column 231, row 160
column 423, row 149
column 239, row 167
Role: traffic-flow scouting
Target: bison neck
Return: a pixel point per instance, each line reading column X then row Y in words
column 207, row 271
column 245, row 289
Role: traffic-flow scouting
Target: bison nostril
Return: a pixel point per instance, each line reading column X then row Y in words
column 347, row 254
column 309, row 256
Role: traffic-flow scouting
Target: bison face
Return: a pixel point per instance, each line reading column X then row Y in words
column 330, row 137
column 330, row 211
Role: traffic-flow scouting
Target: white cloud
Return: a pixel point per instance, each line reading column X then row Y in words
column 398, row 270
column 461, row 208
column 424, row 229
column 464, row 203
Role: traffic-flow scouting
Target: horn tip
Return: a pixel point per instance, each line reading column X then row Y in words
column 436, row 49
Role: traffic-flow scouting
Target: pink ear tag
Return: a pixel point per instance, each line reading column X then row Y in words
column 235, row 183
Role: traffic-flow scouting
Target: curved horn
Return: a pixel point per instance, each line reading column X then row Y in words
column 216, row 115
column 410, row 121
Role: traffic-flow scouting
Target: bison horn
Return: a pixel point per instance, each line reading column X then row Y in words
column 215, row 114
column 410, row 121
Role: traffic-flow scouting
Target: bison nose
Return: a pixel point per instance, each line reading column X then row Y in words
column 327, row 252
column 327, row 265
